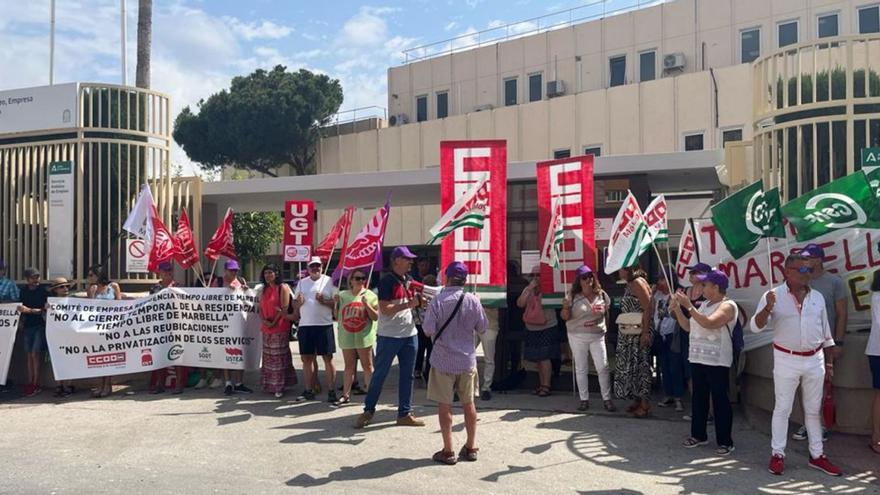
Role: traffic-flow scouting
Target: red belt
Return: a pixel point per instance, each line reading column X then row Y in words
column 797, row 353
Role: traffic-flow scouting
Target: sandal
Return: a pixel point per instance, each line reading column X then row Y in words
column 544, row 392
column 584, row 405
column 466, row 454
column 641, row 412
column 724, row 449
column 444, row 457
column 609, row 406
column 342, row 401
column 632, row 407
column 691, row 442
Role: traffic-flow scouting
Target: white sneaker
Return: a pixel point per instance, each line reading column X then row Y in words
column 202, row 384
column 678, row 406
column 216, row 383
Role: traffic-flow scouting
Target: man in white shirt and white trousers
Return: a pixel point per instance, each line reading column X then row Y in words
column 801, row 342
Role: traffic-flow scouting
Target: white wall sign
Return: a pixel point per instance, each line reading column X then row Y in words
column 42, row 107
column 603, row 228
column 137, row 256
column 528, row 260
column 61, row 219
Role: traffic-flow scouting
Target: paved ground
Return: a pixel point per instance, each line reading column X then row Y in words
column 202, row 442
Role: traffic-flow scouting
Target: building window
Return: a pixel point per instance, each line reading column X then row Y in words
column 693, row 142
column 788, row 33
column 560, row 154
column 535, row 82
column 510, row 92
column 615, row 196
column 596, row 151
column 442, row 105
column 421, row 108
column 827, row 26
column 647, row 66
column 617, row 69
column 750, row 45
column 731, row 136
column 869, row 20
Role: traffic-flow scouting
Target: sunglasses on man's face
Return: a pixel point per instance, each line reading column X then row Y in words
column 802, row 269
column 359, row 279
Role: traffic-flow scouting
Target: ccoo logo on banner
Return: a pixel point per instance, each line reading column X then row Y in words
column 8, row 326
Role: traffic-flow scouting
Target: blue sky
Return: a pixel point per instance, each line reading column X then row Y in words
column 199, row 45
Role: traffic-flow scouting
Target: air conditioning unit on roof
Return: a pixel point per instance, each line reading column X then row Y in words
column 674, row 61
column 555, row 88
column 399, row 119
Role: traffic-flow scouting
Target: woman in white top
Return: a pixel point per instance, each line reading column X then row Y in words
column 711, row 354
column 584, row 311
column 873, row 352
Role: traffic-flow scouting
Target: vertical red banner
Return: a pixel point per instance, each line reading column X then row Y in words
column 569, row 180
column 462, row 165
column 299, row 230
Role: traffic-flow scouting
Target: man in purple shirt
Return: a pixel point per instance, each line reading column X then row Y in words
column 452, row 320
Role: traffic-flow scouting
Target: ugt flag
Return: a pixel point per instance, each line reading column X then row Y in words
column 746, row 217
column 845, row 203
column 628, row 234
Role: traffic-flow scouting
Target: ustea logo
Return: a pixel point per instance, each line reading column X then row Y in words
column 146, row 357
column 835, row 211
column 114, row 359
column 234, row 355
column 175, row 352
column 205, row 355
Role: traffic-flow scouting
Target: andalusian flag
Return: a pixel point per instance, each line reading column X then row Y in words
column 555, row 236
column 468, row 211
column 655, row 217
column 628, row 236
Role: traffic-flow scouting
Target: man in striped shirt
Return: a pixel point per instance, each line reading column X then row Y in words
column 8, row 289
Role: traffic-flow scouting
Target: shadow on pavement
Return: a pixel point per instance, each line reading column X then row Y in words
column 372, row 470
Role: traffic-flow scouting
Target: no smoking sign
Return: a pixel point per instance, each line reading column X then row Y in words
column 136, row 256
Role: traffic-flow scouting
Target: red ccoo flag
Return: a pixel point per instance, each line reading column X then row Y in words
column 187, row 254
column 222, row 244
column 340, row 229
column 164, row 246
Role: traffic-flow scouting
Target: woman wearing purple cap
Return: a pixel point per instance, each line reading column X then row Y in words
column 711, row 354
column 584, row 311
column 542, row 338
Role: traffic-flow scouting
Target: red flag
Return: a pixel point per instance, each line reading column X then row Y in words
column 340, row 229
column 221, row 244
column 164, row 247
column 365, row 250
column 187, row 255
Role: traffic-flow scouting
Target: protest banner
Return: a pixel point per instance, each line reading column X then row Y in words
column 852, row 254
column 569, row 181
column 205, row 328
column 299, row 230
column 8, row 327
column 484, row 251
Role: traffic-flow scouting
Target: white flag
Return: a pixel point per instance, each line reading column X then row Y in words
column 554, row 237
column 688, row 253
column 468, row 211
column 140, row 218
column 656, row 218
column 628, row 233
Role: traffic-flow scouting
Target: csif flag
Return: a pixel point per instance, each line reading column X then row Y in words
column 555, row 236
column 747, row 216
column 365, row 251
column 341, row 228
column 628, row 234
column 656, row 219
column 187, row 254
column 222, row 243
column 848, row 202
column 468, row 211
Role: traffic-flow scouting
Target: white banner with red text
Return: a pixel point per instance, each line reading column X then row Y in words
column 484, row 251
column 570, row 181
column 851, row 254
column 8, row 326
column 203, row 328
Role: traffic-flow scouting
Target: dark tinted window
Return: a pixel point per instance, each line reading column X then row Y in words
column 442, row 105
column 421, row 108
column 535, row 81
column 510, row 92
column 750, row 45
column 595, row 151
column 693, row 142
column 647, row 66
column 788, row 34
column 828, row 25
column 559, row 154
column 869, row 20
column 731, row 135
column 617, row 66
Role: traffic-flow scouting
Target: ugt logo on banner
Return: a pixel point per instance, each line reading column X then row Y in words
column 299, row 230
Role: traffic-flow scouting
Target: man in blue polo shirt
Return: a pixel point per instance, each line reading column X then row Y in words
column 397, row 336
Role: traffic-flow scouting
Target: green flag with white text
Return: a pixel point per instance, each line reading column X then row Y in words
column 746, row 217
column 848, row 202
column 873, row 176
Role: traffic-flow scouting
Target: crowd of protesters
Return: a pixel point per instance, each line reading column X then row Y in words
column 692, row 334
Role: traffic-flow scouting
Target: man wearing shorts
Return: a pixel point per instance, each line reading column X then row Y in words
column 33, row 304
column 313, row 297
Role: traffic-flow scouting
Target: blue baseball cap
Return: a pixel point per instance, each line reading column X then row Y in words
column 456, row 269
column 700, row 268
column 716, row 277
column 231, row 265
column 812, row 251
column 402, row 252
column 165, row 266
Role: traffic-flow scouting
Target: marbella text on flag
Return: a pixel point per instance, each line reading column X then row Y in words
column 746, row 217
column 628, row 233
column 468, row 211
column 845, row 203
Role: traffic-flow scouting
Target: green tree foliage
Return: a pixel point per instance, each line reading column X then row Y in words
column 265, row 120
column 255, row 233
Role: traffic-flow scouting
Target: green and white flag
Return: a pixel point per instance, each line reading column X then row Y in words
column 555, row 236
column 873, row 176
column 746, row 217
column 848, row 202
column 656, row 218
column 468, row 211
column 628, row 236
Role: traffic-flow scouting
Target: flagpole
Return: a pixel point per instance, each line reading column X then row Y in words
column 769, row 262
column 214, row 267
column 669, row 264
column 665, row 275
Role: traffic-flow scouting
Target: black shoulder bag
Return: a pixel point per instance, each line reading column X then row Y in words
column 451, row 316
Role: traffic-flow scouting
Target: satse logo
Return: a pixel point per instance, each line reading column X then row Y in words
column 105, row 360
column 839, row 211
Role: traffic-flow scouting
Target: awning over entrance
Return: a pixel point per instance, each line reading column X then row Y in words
column 666, row 173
